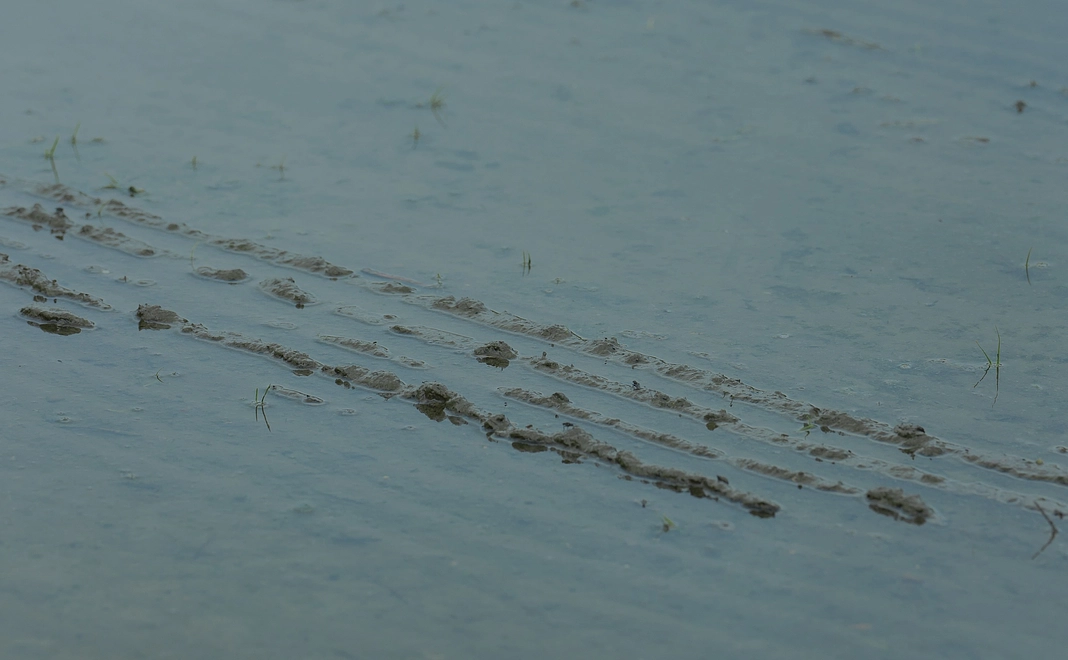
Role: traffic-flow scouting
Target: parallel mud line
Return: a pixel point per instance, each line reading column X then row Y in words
column 713, row 419
column 559, row 403
column 433, row 399
column 371, row 349
column 60, row 225
column 562, row 405
column 308, row 264
column 577, row 440
column 818, row 451
column 911, row 439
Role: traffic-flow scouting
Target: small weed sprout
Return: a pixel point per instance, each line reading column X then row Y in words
column 996, row 363
column 74, row 135
column 437, row 105
column 260, row 405
column 526, row 262
column 1027, row 266
column 281, row 167
column 415, row 135
column 50, row 153
column 113, row 183
column 194, row 163
column 667, row 524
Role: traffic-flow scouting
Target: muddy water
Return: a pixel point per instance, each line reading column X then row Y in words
column 625, row 355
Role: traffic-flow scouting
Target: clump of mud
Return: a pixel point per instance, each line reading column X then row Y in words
column 297, row 395
column 895, row 503
column 434, row 399
column 383, row 381
column 390, row 287
column 229, row 275
column 57, row 223
column 24, row 276
column 154, row 317
column 285, row 288
column 603, row 347
column 118, row 240
column 359, row 345
column 497, row 349
column 55, row 321
column 496, row 354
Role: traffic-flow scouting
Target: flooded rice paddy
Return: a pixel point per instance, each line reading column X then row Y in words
column 708, row 331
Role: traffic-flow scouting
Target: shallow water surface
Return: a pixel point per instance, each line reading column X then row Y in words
column 524, row 330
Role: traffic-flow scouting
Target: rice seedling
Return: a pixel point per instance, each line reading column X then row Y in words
column 996, row 364
column 415, row 135
column 1027, row 266
column 259, row 404
column 526, row 262
column 194, row 162
column 74, row 135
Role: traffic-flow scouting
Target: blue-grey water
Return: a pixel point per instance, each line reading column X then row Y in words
column 825, row 220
